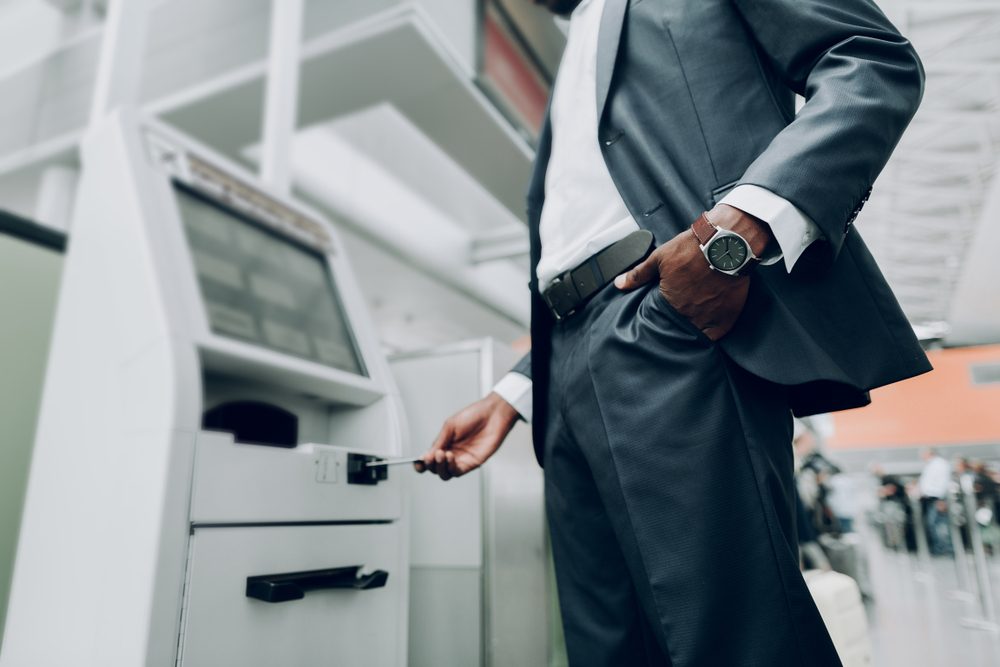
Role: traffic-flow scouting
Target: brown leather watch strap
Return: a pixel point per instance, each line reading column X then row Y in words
column 703, row 229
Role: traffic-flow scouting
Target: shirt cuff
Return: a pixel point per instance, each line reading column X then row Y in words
column 516, row 390
column 793, row 231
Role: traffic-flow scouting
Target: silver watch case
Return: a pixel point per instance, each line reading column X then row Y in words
column 751, row 258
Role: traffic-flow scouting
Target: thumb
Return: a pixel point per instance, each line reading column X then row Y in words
column 640, row 275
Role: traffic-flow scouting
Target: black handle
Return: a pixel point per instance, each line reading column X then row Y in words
column 294, row 585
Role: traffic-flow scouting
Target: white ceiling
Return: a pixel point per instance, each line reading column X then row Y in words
column 928, row 204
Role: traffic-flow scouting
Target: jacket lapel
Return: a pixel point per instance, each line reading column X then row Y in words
column 607, row 49
column 536, row 186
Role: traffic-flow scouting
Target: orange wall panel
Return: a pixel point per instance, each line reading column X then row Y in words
column 938, row 408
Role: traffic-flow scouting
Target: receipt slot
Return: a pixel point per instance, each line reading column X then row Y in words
column 195, row 496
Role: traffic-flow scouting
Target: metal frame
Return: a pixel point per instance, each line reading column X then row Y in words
column 31, row 232
column 282, row 93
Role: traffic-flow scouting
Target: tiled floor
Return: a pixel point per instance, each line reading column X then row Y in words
column 919, row 618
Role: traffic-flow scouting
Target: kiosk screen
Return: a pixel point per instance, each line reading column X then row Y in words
column 266, row 289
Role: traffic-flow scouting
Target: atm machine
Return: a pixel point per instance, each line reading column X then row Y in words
column 199, row 492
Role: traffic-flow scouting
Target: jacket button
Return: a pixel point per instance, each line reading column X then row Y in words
column 612, row 139
column 653, row 209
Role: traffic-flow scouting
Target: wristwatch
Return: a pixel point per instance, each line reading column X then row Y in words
column 725, row 250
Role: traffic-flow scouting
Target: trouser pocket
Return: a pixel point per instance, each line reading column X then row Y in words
column 655, row 304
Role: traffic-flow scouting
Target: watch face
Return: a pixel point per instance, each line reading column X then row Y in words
column 727, row 253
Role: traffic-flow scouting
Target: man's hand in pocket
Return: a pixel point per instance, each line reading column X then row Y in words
column 711, row 300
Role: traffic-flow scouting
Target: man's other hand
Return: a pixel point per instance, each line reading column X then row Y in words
column 469, row 437
column 710, row 299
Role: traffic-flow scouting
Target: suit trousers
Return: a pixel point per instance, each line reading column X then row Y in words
column 669, row 493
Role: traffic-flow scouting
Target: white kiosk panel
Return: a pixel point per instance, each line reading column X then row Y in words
column 354, row 628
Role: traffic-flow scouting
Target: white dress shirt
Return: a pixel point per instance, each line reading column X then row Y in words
column 583, row 211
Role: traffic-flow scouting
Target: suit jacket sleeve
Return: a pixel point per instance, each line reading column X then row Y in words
column 862, row 82
column 523, row 366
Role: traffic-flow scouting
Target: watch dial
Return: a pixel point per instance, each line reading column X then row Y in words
column 727, row 253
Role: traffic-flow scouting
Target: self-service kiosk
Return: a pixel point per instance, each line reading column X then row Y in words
column 199, row 493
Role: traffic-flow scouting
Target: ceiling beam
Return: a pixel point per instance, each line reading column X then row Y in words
column 957, row 116
column 507, row 243
column 961, row 67
column 951, row 7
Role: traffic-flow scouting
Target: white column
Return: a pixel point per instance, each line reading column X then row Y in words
column 56, row 194
column 282, row 94
column 123, row 48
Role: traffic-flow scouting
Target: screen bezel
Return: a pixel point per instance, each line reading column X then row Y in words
column 170, row 156
column 332, row 284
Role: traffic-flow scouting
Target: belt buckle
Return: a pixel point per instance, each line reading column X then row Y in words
column 562, row 297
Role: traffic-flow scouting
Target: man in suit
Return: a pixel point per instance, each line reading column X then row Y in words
column 696, row 279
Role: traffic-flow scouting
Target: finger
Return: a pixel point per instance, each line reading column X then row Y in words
column 429, row 463
column 441, row 442
column 426, row 462
column 640, row 275
column 444, row 437
column 452, row 464
column 429, row 466
column 441, row 466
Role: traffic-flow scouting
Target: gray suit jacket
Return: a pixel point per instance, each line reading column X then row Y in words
column 695, row 97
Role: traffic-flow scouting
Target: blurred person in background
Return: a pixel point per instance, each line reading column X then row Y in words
column 826, row 542
column 986, row 487
column 811, row 553
column 842, row 499
column 956, row 500
column 894, row 505
column 987, row 498
column 815, row 480
column 808, row 497
column 934, row 483
column 807, row 480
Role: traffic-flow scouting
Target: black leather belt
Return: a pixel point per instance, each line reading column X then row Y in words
column 570, row 290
